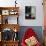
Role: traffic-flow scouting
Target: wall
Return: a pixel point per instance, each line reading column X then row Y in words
column 39, row 13
column 35, row 24
column 22, row 3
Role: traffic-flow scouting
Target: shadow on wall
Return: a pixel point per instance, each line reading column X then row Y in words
column 37, row 29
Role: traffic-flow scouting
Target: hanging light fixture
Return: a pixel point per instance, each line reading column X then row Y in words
column 15, row 3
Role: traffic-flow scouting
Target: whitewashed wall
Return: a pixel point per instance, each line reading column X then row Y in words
column 22, row 3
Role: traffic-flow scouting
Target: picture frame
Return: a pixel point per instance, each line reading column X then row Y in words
column 13, row 12
column 30, row 12
column 5, row 12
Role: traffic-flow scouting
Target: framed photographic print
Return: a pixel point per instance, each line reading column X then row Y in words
column 5, row 12
column 30, row 12
column 13, row 12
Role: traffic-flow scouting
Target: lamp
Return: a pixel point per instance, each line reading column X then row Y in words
column 15, row 3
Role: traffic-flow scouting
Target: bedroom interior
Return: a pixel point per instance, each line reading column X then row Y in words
column 16, row 17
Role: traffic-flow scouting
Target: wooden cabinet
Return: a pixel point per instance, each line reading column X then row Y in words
column 6, row 12
column 7, row 25
column 10, row 43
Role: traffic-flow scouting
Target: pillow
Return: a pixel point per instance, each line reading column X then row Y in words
column 31, row 41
